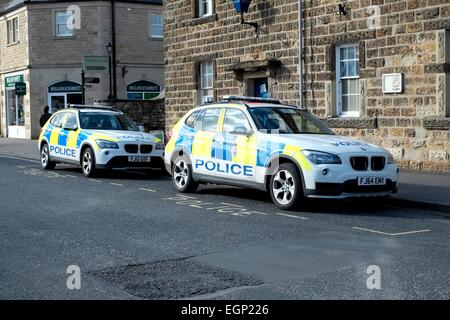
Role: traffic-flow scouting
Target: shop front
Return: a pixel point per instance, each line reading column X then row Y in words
column 143, row 90
column 63, row 93
column 14, row 102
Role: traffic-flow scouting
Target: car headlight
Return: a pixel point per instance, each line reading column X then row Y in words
column 319, row 157
column 391, row 159
column 160, row 146
column 105, row 144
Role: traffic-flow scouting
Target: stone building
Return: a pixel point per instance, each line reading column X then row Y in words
column 373, row 69
column 43, row 47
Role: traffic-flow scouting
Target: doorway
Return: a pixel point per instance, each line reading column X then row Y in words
column 258, row 87
column 62, row 93
column 15, row 114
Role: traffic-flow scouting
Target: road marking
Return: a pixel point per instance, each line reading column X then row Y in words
column 17, row 158
column 71, row 176
column 116, row 184
column 290, row 216
column 95, row 180
column 392, row 234
column 145, row 189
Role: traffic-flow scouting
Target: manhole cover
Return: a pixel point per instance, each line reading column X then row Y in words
column 173, row 279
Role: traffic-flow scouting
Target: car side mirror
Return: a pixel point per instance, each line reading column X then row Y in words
column 70, row 127
column 242, row 130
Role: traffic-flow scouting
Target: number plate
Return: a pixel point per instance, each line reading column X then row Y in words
column 139, row 159
column 371, row 181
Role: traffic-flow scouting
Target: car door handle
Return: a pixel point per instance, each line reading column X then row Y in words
column 220, row 140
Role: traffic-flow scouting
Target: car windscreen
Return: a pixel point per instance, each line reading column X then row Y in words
column 106, row 121
column 287, row 121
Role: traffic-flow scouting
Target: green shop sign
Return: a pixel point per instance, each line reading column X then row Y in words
column 143, row 86
column 21, row 88
column 65, row 86
column 10, row 82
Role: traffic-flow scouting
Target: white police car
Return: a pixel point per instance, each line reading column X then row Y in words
column 260, row 143
column 97, row 137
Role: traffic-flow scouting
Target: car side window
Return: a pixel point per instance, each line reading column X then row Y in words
column 71, row 121
column 57, row 120
column 235, row 120
column 191, row 119
column 210, row 119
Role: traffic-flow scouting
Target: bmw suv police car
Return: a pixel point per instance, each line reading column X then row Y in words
column 285, row 150
column 97, row 137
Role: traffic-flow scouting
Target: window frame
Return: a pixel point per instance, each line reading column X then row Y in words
column 55, row 26
column 339, row 111
column 209, row 8
column 201, row 118
column 203, row 88
column 151, row 24
column 12, row 31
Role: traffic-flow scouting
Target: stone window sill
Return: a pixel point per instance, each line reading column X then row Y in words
column 201, row 20
column 13, row 44
column 64, row 38
column 436, row 123
column 352, row 122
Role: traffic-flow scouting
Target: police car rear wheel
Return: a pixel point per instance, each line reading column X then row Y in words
column 285, row 187
column 46, row 163
column 88, row 162
column 182, row 175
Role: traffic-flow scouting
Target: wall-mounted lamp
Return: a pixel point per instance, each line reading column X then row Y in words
column 241, row 7
column 124, row 71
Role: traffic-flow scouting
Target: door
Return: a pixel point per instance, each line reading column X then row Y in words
column 68, row 137
column 54, row 143
column 240, row 146
column 206, row 127
column 261, row 87
column 15, row 114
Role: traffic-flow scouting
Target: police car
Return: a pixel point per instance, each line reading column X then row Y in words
column 285, row 150
column 97, row 137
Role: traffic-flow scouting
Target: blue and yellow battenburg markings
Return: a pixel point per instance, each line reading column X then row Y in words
column 243, row 153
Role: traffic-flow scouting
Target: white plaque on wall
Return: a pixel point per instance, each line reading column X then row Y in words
column 392, row 83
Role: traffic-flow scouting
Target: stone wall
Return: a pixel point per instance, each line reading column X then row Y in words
column 410, row 40
column 151, row 113
column 234, row 49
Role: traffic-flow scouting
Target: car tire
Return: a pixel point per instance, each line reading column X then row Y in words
column 286, row 187
column 46, row 162
column 182, row 175
column 88, row 163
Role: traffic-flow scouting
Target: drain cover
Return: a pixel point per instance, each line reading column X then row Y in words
column 173, row 279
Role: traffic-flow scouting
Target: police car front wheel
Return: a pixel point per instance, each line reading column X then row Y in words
column 285, row 187
column 182, row 175
column 88, row 162
column 46, row 163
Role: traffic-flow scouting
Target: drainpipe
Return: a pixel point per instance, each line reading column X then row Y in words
column 113, row 43
column 300, row 51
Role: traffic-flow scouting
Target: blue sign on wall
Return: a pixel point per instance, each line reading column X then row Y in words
column 241, row 5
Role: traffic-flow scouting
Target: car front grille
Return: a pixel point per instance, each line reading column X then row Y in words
column 146, row 148
column 131, row 148
column 359, row 163
column 377, row 163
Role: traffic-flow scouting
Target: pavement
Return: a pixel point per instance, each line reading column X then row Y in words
column 426, row 190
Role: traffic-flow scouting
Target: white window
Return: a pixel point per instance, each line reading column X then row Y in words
column 156, row 26
column 61, row 26
column 12, row 27
column 206, row 82
column 347, row 80
column 205, row 8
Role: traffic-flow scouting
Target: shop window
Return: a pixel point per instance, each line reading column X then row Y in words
column 347, row 80
column 12, row 26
